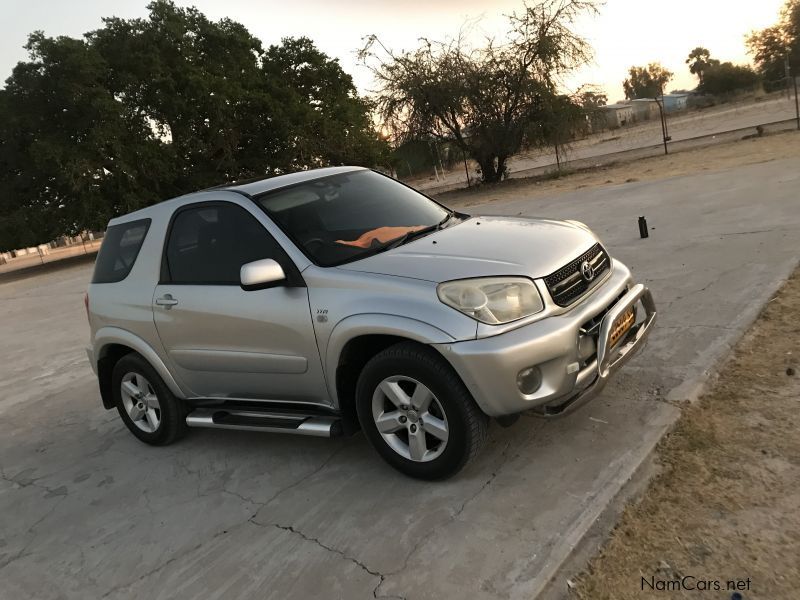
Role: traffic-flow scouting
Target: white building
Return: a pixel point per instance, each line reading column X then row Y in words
column 618, row 115
column 645, row 109
column 675, row 102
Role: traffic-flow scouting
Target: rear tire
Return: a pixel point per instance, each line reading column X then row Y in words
column 417, row 413
column 144, row 402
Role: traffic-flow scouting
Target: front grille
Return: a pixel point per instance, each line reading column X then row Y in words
column 568, row 283
column 592, row 326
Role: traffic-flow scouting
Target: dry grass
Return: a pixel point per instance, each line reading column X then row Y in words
column 726, row 504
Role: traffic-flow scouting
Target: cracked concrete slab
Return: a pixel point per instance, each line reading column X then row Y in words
column 88, row 511
column 299, row 568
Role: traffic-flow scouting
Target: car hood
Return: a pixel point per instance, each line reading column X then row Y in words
column 482, row 247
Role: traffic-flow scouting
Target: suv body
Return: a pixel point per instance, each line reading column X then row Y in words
column 324, row 301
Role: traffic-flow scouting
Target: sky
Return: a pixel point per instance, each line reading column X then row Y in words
column 625, row 33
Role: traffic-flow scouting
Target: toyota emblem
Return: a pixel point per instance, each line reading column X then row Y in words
column 586, row 271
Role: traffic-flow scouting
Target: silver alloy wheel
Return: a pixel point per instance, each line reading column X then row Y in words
column 410, row 418
column 141, row 402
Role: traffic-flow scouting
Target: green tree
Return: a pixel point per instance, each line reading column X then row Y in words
column 199, row 83
column 725, row 78
column 773, row 46
column 145, row 109
column 71, row 156
column 332, row 124
column 719, row 78
column 591, row 101
column 699, row 61
column 489, row 101
column 646, row 82
column 230, row 109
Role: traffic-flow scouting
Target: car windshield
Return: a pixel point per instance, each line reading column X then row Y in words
column 349, row 216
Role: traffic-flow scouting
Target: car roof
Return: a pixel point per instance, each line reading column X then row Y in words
column 247, row 188
column 261, row 186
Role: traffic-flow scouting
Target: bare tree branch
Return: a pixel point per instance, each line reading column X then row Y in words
column 489, row 101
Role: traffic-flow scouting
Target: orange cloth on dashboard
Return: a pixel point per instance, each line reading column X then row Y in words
column 381, row 234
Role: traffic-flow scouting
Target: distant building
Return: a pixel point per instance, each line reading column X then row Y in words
column 675, row 102
column 645, row 109
column 618, row 115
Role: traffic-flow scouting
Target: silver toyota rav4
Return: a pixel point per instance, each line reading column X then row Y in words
column 326, row 301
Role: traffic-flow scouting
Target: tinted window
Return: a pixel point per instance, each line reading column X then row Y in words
column 344, row 217
column 121, row 245
column 208, row 244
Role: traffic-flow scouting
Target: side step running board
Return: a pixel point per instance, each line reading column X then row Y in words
column 273, row 422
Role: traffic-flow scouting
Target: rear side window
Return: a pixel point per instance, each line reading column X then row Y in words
column 208, row 244
column 118, row 253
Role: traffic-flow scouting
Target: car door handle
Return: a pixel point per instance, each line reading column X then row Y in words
column 166, row 301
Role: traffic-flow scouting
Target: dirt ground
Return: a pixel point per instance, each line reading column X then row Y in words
column 712, row 158
column 725, row 506
column 55, row 255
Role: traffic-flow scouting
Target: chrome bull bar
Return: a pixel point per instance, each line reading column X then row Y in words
column 607, row 360
column 609, row 357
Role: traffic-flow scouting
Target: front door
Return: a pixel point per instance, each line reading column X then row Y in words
column 223, row 341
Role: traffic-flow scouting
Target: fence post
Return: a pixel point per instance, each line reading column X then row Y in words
column 663, row 121
column 439, row 158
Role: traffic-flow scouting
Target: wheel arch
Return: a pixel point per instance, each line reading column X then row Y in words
column 111, row 344
column 356, row 339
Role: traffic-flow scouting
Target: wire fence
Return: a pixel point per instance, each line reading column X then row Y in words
column 691, row 128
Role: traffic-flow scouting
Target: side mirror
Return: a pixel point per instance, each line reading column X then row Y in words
column 260, row 274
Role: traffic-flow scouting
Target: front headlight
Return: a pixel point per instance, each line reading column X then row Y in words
column 492, row 300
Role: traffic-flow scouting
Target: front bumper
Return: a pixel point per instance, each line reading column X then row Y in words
column 489, row 366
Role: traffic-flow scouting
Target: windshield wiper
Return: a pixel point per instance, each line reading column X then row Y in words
column 411, row 235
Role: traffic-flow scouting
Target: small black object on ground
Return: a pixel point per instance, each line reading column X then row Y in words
column 643, row 233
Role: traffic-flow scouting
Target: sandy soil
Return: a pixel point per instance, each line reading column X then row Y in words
column 726, row 504
column 711, row 158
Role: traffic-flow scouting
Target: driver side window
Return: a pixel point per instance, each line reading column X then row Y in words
column 208, row 244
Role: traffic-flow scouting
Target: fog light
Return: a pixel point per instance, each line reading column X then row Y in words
column 529, row 380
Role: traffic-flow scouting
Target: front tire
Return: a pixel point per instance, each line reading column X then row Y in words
column 417, row 413
column 144, row 402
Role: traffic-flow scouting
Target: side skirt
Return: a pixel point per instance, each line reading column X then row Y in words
column 301, row 420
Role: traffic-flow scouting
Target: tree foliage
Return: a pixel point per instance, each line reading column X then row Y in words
column 592, row 100
column 725, row 78
column 719, row 77
column 145, row 109
column 773, row 46
column 646, row 82
column 699, row 60
column 335, row 124
column 489, row 101
column 69, row 154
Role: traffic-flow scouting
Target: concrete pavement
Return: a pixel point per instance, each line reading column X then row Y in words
column 86, row 511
